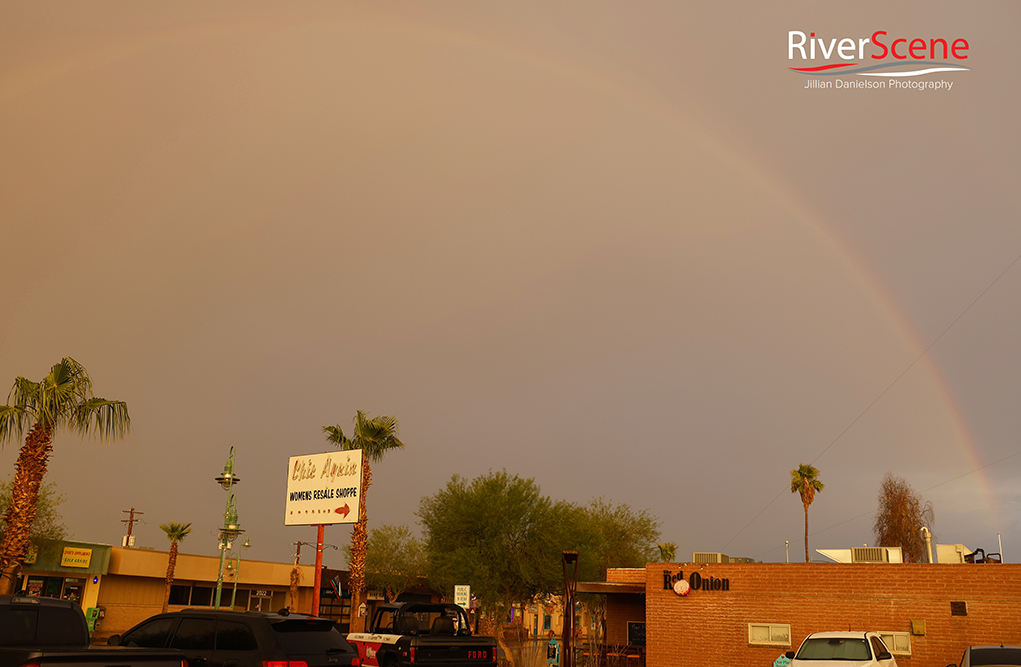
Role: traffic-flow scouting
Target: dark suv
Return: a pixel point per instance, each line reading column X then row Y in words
column 212, row 638
column 990, row 655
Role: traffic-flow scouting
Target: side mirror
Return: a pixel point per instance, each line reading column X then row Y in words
column 789, row 655
column 114, row 640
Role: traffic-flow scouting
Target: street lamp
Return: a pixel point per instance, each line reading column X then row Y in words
column 234, row 566
column 570, row 587
column 231, row 528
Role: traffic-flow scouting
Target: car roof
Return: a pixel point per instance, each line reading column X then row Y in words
column 996, row 646
column 269, row 615
column 839, row 635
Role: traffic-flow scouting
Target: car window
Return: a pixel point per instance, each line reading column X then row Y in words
column 19, row 626
column 194, row 634
column 834, row 648
column 878, row 647
column 231, row 636
column 150, row 635
column 303, row 636
column 995, row 655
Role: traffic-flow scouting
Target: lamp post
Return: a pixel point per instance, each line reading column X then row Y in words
column 234, row 565
column 570, row 587
column 231, row 528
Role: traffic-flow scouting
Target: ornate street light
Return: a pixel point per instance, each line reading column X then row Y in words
column 231, row 527
column 570, row 590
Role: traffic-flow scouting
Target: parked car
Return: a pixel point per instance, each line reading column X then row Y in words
column 842, row 649
column 45, row 632
column 990, row 656
column 214, row 638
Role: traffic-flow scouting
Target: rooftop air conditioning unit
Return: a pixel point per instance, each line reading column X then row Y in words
column 709, row 557
column 876, row 555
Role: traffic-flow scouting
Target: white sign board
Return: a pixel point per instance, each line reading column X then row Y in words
column 462, row 596
column 323, row 488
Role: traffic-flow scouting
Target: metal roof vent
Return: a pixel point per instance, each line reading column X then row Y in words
column 869, row 555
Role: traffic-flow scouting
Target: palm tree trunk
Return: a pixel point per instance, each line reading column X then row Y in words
column 807, row 560
column 359, row 547
column 171, row 566
column 28, row 477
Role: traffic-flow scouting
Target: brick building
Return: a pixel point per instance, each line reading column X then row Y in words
column 708, row 615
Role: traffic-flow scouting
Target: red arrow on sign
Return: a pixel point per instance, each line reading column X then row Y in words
column 345, row 510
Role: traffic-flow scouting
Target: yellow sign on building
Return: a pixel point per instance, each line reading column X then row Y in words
column 74, row 557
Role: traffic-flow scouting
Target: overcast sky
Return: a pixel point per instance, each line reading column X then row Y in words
column 618, row 248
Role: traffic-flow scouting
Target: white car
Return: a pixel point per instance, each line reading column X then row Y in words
column 842, row 649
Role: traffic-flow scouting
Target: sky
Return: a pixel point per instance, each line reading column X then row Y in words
column 617, row 248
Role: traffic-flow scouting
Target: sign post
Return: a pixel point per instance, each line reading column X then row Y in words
column 323, row 489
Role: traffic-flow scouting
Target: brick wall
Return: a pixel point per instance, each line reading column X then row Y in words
column 710, row 627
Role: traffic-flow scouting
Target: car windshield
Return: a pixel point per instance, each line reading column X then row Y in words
column 834, row 648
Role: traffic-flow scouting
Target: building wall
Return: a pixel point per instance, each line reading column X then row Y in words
column 710, row 627
column 134, row 588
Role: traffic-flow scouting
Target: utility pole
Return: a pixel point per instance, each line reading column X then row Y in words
column 131, row 521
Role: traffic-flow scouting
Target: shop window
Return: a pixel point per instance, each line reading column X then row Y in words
column 547, row 622
column 201, row 596
column 241, row 599
column 899, row 643
column 769, row 634
column 180, row 594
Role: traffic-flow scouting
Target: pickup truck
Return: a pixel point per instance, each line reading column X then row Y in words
column 44, row 632
column 419, row 633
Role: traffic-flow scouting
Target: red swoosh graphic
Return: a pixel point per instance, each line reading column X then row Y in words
column 819, row 69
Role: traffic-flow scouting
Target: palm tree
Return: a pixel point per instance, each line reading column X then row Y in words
column 667, row 551
column 176, row 532
column 375, row 436
column 63, row 399
column 804, row 480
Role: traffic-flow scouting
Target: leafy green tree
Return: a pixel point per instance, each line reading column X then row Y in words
column 176, row 532
column 623, row 538
column 394, row 561
column 902, row 513
column 61, row 400
column 500, row 535
column 375, row 436
column 48, row 524
column 805, row 481
column 611, row 536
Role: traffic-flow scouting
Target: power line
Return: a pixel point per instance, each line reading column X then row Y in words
column 884, row 392
column 855, row 518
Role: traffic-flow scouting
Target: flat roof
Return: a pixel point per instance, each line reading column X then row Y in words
column 611, row 587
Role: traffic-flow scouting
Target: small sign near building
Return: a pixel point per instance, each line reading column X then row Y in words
column 462, row 596
column 323, row 489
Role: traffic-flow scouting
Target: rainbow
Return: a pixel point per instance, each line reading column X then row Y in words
column 23, row 81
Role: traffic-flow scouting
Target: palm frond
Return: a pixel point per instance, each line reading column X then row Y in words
column 107, row 419
column 376, row 436
column 13, row 421
column 23, row 393
column 175, row 531
column 335, row 434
